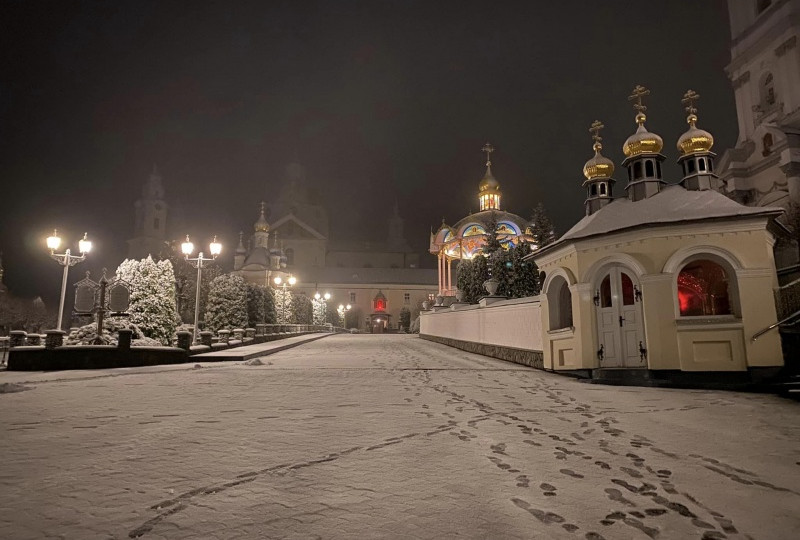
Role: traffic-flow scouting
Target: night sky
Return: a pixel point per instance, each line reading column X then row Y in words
column 381, row 101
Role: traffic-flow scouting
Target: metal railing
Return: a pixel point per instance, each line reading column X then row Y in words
column 760, row 333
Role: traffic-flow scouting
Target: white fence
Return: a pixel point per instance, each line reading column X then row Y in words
column 513, row 323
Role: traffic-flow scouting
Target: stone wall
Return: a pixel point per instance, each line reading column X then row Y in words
column 506, row 329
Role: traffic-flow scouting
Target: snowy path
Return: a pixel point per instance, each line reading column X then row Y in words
column 389, row 437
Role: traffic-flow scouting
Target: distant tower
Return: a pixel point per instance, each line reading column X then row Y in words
column 598, row 171
column 395, row 240
column 261, row 227
column 764, row 167
column 151, row 220
column 240, row 253
column 489, row 188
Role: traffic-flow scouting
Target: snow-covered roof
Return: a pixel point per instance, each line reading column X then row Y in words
column 673, row 204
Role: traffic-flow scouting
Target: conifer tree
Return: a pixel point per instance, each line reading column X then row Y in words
column 227, row 303
column 302, row 309
column 152, row 298
column 541, row 227
column 260, row 305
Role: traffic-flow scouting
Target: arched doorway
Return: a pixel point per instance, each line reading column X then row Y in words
column 620, row 326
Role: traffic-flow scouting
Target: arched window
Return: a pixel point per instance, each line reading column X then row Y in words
column 703, row 289
column 767, row 91
column 690, row 166
column 648, row 168
column 559, row 299
column 289, row 256
column 702, row 164
column 637, row 170
column 593, row 190
column 766, row 143
column 603, row 188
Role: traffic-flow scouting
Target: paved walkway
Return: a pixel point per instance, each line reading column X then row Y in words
column 258, row 350
column 388, row 437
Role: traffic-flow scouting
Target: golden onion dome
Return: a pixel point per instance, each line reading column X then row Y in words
column 488, row 182
column 261, row 225
column 643, row 141
column 599, row 166
column 694, row 139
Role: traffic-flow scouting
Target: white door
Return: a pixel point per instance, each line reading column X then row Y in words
column 620, row 328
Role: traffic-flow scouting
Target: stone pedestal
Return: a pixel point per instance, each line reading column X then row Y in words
column 124, row 338
column 224, row 336
column 33, row 339
column 238, row 333
column 55, row 338
column 249, row 333
column 261, row 329
column 184, row 340
column 16, row 338
column 206, row 338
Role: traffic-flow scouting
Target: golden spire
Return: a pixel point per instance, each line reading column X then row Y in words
column 488, row 187
column 694, row 139
column 261, row 225
column 638, row 92
column 599, row 166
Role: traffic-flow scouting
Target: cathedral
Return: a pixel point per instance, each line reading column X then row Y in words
column 763, row 169
column 291, row 237
column 467, row 238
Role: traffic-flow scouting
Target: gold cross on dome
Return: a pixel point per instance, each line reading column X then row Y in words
column 488, row 148
column 597, row 125
column 638, row 92
column 688, row 99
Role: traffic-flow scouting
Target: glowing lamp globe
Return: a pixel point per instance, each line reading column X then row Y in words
column 327, row 296
column 348, row 306
column 292, row 280
column 187, row 247
column 215, row 247
column 53, row 241
column 277, row 280
column 341, row 307
column 84, row 244
column 317, row 296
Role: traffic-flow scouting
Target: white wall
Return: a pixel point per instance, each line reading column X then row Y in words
column 513, row 323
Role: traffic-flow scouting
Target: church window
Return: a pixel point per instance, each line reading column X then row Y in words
column 156, row 223
column 352, row 298
column 648, row 167
column 703, row 289
column 766, row 143
column 605, row 292
column 602, row 189
column 406, row 298
column 768, row 97
column 559, row 299
column 593, row 190
column 290, row 256
column 690, row 166
column 701, row 164
column 627, row 289
column 637, row 170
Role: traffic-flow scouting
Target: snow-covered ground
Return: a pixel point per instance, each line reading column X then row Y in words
column 355, row 436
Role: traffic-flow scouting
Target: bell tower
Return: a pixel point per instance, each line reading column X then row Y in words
column 150, row 231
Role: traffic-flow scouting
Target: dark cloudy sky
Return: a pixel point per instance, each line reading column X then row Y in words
column 380, row 100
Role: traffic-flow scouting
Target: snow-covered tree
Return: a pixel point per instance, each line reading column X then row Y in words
column 522, row 277
column 283, row 306
column 302, row 310
column 541, row 227
column 320, row 311
column 152, row 299
column 260, row 305
column 470, row 276
column 227, row 303
column 405, row 318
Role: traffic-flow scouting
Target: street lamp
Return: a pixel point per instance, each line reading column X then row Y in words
column 215, row 248
column 321, row 304
column 342, row 310
column 66, row 260
column 283, row 282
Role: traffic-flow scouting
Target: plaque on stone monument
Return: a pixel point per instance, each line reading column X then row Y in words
column 119, row 296
column 85, row 293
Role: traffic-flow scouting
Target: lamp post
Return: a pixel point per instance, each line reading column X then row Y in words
column 342, row 311
column 321, row 300
column 66, row 260
column 215, row 248
column 283, row 282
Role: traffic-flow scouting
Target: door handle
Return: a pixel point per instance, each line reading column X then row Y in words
column 621, row 320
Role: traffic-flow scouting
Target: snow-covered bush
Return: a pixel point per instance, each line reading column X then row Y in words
column 86, row 335
column 152, row 300
column 260, row 305
column 302, row 310
column 227, row 303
